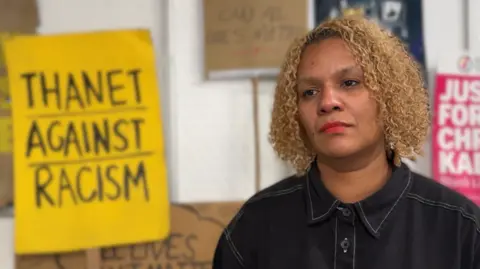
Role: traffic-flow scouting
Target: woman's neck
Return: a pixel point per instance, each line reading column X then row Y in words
column 353, row 185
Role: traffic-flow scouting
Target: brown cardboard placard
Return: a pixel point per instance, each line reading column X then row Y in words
column 18, row 16
column 6, row 156
column 93, row 259
column 6, row 159
column 191, row 244
column 250, row 34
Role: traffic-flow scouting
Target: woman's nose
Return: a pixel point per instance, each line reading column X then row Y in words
column 329, row 101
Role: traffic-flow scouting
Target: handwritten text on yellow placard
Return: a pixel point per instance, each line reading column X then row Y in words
column 88, row 160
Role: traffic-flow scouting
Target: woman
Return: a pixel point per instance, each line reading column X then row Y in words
column 348, row 106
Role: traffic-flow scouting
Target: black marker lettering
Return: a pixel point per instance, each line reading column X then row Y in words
column 73, row 94
column 138, row 252
column 91, row 90
column 55, row 147
column 101, row 137
column 117, row 131
column 110, row 183
column 43, row 177
column 78, row 138
column 86, row 138
column 100, row 189
column 35, row 140
column 172, row 246
column 138, row 135
column 81, row 175
column 65, row 185
column 109, row 254
column 189, row 245
column 136, row 84
column 53, row 89
column 112, row 87
column 98, row 177
column 138, row 179
column 273, row 14
column 158, row 248
column 110, row 178
column 72, row 140
column 28, row 80
column 244, row 14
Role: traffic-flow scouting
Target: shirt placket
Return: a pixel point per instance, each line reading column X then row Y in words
column 345, row 238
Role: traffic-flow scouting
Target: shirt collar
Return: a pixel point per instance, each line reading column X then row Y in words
column 373, row 211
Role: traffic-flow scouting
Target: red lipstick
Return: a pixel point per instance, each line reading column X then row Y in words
column 333, row 127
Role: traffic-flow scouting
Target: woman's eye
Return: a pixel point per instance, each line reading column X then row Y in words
column 308, row 93
column 350, row 83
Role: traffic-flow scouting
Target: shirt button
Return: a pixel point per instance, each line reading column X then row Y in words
column 345, row 244
column 346, row 212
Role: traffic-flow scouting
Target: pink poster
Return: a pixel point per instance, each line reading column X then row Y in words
column 456, row 129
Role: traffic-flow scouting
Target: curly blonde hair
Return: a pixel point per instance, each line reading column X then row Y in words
column 392, row 76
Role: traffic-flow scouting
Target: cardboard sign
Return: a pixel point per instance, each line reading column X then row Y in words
column 89, row 156
column 250, row 37
column 6, row 165
column 196, row 229
column 456, row 124
column 4, row 90
column 18, row 16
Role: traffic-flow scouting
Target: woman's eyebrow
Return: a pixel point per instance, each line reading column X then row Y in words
column 342, row 71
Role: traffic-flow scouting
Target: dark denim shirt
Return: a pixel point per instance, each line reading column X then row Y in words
column 411, row 223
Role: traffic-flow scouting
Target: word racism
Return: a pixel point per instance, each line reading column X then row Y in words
column 270, row 26
column 458, row 135
column 177, row 251
column 77, row 138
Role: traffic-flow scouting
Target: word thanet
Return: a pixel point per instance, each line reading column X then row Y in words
column 82, row 89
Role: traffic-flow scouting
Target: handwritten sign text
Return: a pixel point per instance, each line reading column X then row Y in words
column 89, row 149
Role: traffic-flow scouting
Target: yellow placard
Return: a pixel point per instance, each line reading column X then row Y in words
column 4, row 91
column 88, row 150
column 5, row 134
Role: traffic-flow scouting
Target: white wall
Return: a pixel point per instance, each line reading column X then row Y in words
column 209, row 125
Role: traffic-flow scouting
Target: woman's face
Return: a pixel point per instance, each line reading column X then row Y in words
column 336, row 111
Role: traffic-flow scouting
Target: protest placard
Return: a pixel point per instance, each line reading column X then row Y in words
column 456, row 124
column 249, row 38
column 196, row 229
column 16, row 16
column 6, row 165
column 89, row 163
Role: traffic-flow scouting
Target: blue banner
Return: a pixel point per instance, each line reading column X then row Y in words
column 401, row 17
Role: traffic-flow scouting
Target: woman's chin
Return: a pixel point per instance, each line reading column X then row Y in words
column 338, row 150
